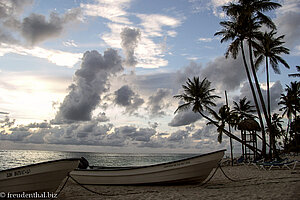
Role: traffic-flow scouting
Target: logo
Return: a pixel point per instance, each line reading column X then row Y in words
column 2, row 195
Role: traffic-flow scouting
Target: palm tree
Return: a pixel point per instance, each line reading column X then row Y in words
column 290, row 102
column 244, row 109
column 233, row 30
column 270, row 47
column 276, row 132
column 197, row 95
column 223, row 116
column 296, row 74
column 246, row 20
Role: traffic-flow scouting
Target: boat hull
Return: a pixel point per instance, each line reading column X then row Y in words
column 195, row 169
column 41, row 177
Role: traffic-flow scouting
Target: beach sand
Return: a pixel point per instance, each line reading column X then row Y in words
column 250, row 183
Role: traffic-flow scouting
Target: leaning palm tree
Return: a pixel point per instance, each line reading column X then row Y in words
column 246, row 20
column 269, row 47
column 198, row 96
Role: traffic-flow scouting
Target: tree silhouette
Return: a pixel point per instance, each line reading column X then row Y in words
column 269, row 48
column 246, row 18
column 198, row 96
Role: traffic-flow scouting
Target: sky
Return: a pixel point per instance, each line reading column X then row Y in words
column 100, row 75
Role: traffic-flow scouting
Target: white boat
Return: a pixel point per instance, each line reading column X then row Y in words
column 194, row 169
column 40, row 177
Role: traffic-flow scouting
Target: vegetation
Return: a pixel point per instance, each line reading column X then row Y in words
column 198, row 96
column 243, row 28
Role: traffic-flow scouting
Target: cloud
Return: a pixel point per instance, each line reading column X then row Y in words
column 10, row 11
column 61, row 58
column 114, row 11
column 184, row 118
column 130, row 37
column 212, row 5
column 275, row 93
column 287, row 22
column 205, row 39
column 178, row 136
column 35, row 28
column 90, row 81
column 158, row 102
column 153, row 23
column 149, row 53
column 70, row 43
column 225, row 74
column 127, row 98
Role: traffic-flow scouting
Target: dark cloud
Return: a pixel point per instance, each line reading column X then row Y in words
column 130, row 38
column 10, row 10
column 184, row 118
column 158, row 102
column 35, row 28
column 127, row 98
column 208, row 131
column 225, row 74
column 193, row 69
column 275, row 93
column 178, row 136
column 288, row 23
column 90, row 81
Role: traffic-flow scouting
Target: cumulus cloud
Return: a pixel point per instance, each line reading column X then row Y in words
column 127, row 98
column 90, row 81
column 158, row 102
column 130, row 37
column 35, row 28
column 225, row 74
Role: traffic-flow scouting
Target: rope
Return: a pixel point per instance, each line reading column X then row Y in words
column 211, row 176
column 84, row 187
column 226, row 175
column 62, row 187
column 104, row 194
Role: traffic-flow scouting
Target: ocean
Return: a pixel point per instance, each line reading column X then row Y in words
column 16, row 158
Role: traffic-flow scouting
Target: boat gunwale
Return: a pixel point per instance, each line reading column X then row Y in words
column 41, row 163
column 146, row 166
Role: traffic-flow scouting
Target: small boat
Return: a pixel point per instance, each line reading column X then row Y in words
column 189, row 170
column 40, row 177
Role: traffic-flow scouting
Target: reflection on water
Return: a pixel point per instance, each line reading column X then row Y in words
column 16, row 158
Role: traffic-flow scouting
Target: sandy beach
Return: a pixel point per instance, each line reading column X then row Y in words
column 250, row 183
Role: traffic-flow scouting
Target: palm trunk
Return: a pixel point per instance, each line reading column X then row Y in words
column 268, row 87
column 263, row 134
column 230, row 135
column 263, row 105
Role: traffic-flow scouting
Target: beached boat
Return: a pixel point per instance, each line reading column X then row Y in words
column 40, row 177
column 194, row 169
